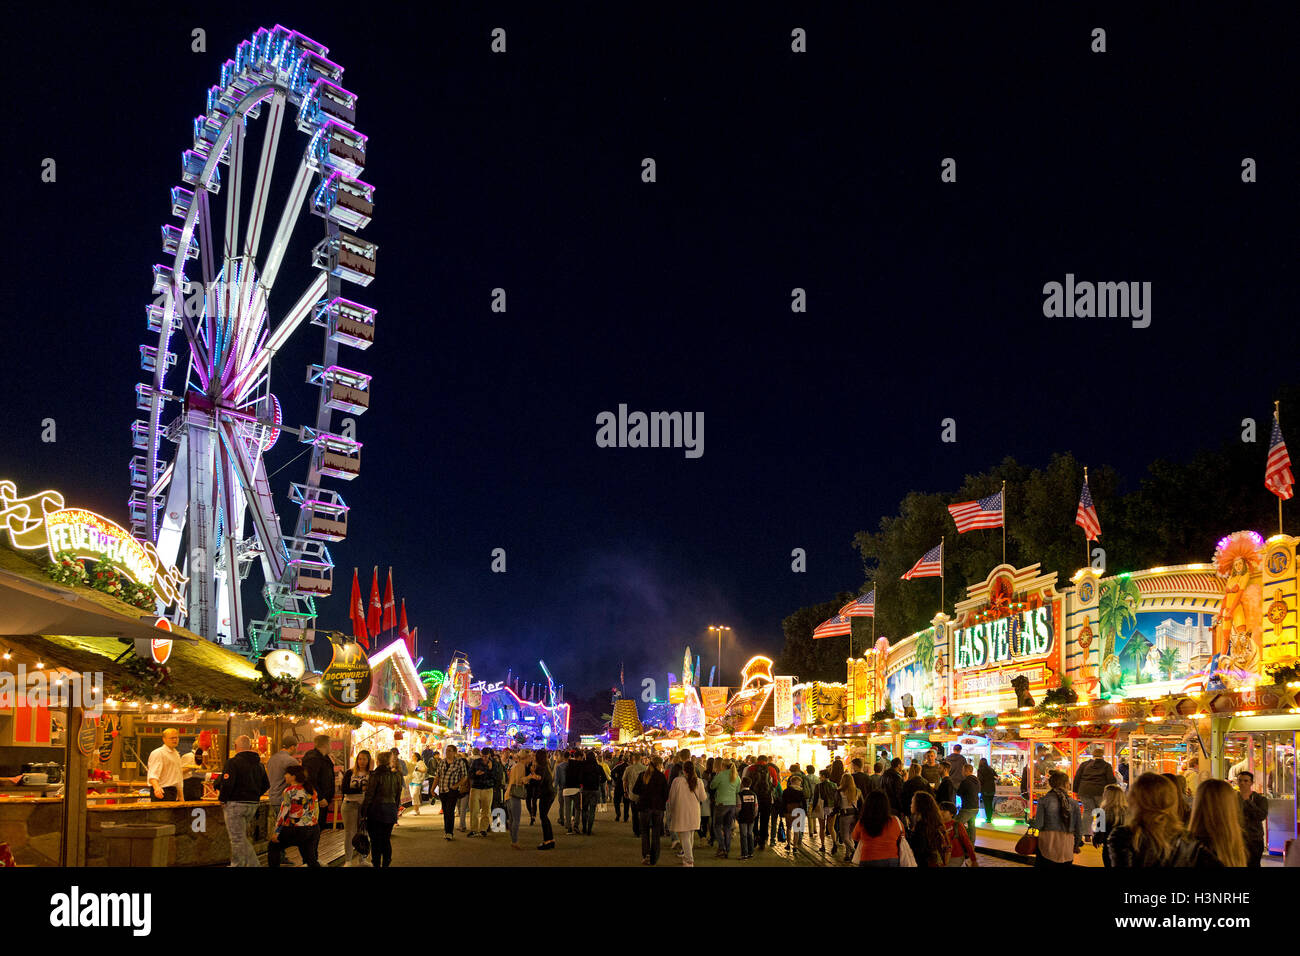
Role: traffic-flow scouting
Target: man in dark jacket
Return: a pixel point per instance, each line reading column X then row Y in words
column 891, row 781
column 760, row 781
column 1091, row 779
column 592, row 778
column 620, row 796
column 860, row 778
column 243, row 781
column 1254, row 811
column 968, row 792
column 320, row 771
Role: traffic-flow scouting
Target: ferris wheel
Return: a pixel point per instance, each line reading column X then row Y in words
column 201, row 492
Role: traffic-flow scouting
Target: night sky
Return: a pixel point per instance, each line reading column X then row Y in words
column 775, row 170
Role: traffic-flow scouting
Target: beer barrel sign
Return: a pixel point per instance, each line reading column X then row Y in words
column 346, row 680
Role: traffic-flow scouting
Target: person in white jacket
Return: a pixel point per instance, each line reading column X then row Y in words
column 684, row 799
column 636, row 767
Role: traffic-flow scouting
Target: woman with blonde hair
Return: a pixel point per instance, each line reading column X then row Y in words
column 1216, row 823
column 1153, row 834
column 1114, row 810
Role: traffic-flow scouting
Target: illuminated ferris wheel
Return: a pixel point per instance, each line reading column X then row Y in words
column 200, row 485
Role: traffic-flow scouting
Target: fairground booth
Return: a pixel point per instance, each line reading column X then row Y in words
column 1188, row 669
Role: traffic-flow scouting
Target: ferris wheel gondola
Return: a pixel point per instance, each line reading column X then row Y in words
column 197, row 507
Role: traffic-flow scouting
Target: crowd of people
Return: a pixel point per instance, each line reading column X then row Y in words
column 921, row 815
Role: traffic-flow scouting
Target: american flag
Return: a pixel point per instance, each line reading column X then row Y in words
column 985, row 513
column 864, row 606
column 836, row 626
column 930, row 566
column 1086, row 516
column 1277, row 473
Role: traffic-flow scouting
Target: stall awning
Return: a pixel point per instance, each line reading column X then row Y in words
column 36, row 607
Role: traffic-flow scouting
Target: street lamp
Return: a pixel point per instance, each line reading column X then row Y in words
column 719, row 628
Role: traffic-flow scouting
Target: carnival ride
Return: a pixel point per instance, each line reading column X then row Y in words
column 222, row 417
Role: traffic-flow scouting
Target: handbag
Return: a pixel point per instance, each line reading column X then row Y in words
column 1027, row 845
column 361, row 841
column 905, row 855
column 519, row 792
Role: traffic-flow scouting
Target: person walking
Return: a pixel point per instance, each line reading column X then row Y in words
column 1184, row 796
column 961, row 852
column 706, row 809
column 825, row 797
column 1153, row 834
column 1059, row 824
column 760, row 781
column 517, row 792
column 355, row 779
column 1254, row 811
column 593, row 779
column 1114, row 809
column 929, row 844
column 685, row 796
column 453, row 788
column 847, row 814
column 540, row 776
column 725, row 788
column 562, row 786
column 243, row 781
column 1091, row 780
column 988, row 784
column 876, row 780
column 298, row 822
column 617, row 772
column 482, row 780
column 636, row 766
column 794, row 809
column 415, row 782
column 651, row 789
column 968, row 795
column 384, row 791
column 1217, row 823
column 746, row 817
column 879, row 833
column 891, row 782
column 319, row 767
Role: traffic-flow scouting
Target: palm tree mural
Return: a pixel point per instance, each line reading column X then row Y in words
column 1116, row 610
column 1168, row 662
column 925, row 665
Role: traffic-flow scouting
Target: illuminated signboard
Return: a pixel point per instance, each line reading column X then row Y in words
column 40, row 520
column 783, row 702
column 1023, row 636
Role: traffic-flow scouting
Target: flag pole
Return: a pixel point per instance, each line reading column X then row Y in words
column 1277, row 418
column 941, row 602
column 1003, row 499
column 1087, row 552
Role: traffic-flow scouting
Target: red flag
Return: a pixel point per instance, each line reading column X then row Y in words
column 415, row 640
column 376, row 609
column 405, row 631
column 390, row 612
column 358, row 614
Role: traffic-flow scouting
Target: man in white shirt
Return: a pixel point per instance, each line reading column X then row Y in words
column 165, row 768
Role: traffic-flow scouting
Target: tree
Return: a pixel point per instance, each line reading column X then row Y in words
column 810, row 658
column 1168, row 662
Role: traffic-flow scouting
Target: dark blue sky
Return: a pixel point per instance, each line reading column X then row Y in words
column 775, row 171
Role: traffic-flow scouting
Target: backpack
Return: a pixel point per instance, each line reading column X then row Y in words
column 761, row 784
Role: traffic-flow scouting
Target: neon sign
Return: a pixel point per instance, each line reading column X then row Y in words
column 1016, row 637
column 40, row 520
